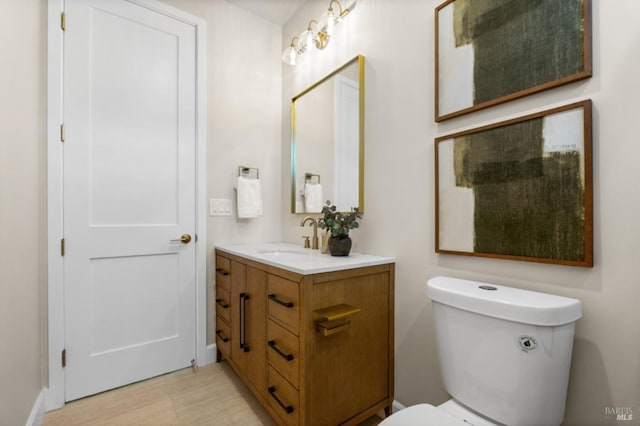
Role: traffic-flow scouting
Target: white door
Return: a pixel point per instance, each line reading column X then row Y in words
column 129, row 189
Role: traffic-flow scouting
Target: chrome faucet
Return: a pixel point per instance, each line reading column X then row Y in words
column 314, row 223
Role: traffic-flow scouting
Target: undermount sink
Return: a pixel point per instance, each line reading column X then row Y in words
column 281, row 252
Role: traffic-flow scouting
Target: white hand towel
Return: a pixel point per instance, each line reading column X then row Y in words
column 249, row 198
column 313, row 199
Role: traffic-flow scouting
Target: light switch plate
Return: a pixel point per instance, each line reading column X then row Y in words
column 219, row 207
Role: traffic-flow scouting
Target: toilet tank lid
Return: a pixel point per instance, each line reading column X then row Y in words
column 513, row 304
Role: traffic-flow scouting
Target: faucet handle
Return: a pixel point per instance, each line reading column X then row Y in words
column 306, row 242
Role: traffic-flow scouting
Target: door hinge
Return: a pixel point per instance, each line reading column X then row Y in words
column 63, row 21
column 64, row 358
column 62, row 247
column 62, row 133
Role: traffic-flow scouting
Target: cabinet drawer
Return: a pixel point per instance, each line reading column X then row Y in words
column 223, row 304
column 223, row 272
column 223, row 337
column 283, row 352
column 283, row 301
column 283, row 398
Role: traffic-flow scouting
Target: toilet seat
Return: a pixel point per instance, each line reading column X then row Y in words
column 448, row 414
column 422, row 415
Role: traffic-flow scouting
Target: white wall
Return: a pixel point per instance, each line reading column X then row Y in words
column 22, row 205
column 244, row 107
column 396, row 37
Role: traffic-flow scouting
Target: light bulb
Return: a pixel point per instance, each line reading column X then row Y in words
column 326, row 22
column 289, row 55
column 306, row 41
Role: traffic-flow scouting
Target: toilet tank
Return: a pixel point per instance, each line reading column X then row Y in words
column 504, row 352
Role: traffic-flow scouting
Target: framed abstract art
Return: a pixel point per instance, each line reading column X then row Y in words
column 519, row 189
column 492, row 51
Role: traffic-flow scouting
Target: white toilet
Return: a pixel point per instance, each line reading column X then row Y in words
column 504, row 354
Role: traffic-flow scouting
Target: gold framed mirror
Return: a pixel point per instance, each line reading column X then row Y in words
column 327, row 142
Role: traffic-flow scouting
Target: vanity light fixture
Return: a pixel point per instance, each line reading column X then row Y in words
column 318, row 33
column 290, row 53
column 307, row 40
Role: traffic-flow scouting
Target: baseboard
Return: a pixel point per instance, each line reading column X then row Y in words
column 396, row 406
column 39, row 409
column 211, row 354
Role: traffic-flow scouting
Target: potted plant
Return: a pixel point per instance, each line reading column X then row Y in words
column 339, row 224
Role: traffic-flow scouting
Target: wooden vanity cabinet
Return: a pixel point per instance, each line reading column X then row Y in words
column 320, row 345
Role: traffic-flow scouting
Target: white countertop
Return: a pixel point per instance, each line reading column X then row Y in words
column 300, row 260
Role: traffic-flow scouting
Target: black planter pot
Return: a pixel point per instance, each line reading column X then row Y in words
column 339, row 246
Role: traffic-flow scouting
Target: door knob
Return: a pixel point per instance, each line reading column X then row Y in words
column 185, row 239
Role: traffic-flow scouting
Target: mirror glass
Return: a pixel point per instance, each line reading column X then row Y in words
column 328, row 141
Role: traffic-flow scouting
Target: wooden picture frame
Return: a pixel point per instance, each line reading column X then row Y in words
column 490, row 52
column 519, row 189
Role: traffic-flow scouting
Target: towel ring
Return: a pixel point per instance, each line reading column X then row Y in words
column 246, row 171
column 309, row 176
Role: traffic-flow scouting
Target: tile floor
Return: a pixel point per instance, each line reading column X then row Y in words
column 209, row 395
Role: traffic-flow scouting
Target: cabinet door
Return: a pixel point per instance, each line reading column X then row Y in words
column 238, row 289
column 255, row 329
column 350, row 370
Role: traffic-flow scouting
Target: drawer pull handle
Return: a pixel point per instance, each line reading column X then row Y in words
column 223, row 272
column 272, row 345
column 243, row 322
column 222, row 303
column 219, row 334
column 280, row 302
column 287, row 408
